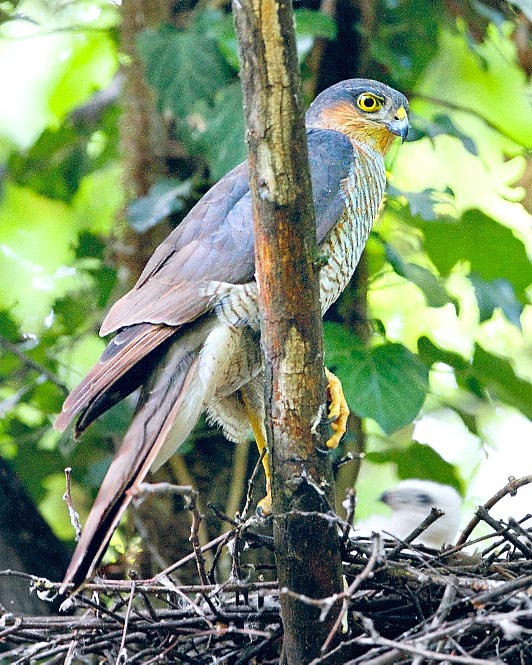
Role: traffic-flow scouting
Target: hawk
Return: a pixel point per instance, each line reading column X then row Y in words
column 188, row 332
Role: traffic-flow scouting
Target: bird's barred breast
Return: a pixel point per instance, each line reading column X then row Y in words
column 363, row 191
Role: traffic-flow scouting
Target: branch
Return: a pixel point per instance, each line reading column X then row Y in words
column 307, row 547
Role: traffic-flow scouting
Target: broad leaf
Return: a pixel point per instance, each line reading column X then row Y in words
column 430, row 285
column 498, row 379
column 184, row 67
column 487, row 375
column 497, row 293
column 162, row 200
column 387, row 383
column 441, row 124
column 418, row 461
column 490, row 249
column 220, row 135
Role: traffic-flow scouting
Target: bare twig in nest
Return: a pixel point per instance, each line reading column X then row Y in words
column 503, row 531
column 352, row 588
column 511, row 488
column 434, row 515
column 416, row 608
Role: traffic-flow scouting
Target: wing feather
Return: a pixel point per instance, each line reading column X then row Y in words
column 215, row 240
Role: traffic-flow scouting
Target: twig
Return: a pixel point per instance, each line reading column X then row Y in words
column 352, row 588
column 350, row 504
column 502, row 530
column 67, row 498
column 32, row 364
column 511, row 488
column 434, row 515
column 405, row 647
column 122, row 653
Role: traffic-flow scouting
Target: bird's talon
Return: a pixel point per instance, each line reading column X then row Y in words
column 264, row 506
column 338, row 410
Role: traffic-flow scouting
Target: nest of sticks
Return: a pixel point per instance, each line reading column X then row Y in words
column 401, row 604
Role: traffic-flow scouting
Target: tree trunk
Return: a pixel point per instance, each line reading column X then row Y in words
column 306, row 543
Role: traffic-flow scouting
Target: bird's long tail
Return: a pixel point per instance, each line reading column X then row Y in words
column 169, row 407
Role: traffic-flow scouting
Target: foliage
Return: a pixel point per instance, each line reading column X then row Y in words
column 450, row 276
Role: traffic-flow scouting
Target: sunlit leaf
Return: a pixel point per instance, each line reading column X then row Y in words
column 442, row 124
column 497, row 90
column 499, row 380
column 496, row 293
column 387, row 383
column 490, row 249
column 432, row 288
column 487, row 375
column 419, row 461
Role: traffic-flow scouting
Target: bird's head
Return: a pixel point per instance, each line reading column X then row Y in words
column 365, row 111
column 419, row 496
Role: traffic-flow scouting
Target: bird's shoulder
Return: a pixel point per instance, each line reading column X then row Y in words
column 215, row 241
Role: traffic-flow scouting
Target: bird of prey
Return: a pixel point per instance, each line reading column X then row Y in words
column 411, row 502
column 188, row 332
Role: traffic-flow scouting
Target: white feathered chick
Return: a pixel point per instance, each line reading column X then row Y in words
column 411, row 501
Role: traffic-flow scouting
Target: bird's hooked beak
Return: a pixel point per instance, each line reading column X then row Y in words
column 399, row 125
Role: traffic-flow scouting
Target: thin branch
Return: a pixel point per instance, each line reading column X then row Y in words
column 511, row 488
column 32, row 364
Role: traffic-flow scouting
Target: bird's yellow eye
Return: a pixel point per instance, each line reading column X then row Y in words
column 369, row 102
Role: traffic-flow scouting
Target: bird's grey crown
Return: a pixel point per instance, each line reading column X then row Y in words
column 348, row 91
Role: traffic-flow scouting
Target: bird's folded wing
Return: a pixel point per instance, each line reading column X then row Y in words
column 215, row 240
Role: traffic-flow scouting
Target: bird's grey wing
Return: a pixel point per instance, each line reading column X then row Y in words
column 331, row 157
column 214, row 243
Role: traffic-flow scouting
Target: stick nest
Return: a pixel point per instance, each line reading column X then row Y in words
column 401, row 604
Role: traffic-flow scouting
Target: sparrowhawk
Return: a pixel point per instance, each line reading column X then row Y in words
column 188, row 331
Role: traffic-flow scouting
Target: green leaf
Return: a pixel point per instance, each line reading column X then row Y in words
column 430, row 285
column 497, row 293
column 442, row 124
column 482, row 81
column 387, row 383
column 311, row 24
column 54, row 165
column 184, row 67
column 162, row 200
column 491, row 249
column 429, row 353
column 498, row 379
column 419, row 461
column 220, row 135
column 421, row 204
column 487, row 373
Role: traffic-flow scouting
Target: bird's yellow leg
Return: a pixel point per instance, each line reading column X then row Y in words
column 338, row 410
column 264, row 506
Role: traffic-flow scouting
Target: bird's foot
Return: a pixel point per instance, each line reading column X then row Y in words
column 264, row 506
column 338, row 410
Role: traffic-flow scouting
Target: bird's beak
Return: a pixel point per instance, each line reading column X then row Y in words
column 399, row 125
column 385, row 497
